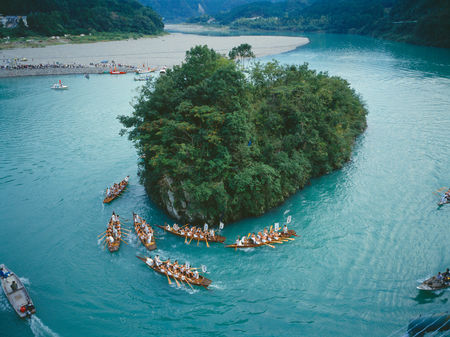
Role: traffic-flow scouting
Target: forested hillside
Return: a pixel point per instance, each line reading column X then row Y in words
column 180, row 10
column 57, row 17
column 416, row 21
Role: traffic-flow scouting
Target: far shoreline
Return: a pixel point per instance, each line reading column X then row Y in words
column 166, row 50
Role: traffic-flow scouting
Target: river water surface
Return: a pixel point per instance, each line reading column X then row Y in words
column 369, row 232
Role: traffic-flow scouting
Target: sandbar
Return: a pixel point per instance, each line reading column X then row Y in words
column 167, row 50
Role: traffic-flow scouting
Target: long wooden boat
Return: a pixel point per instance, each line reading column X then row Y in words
column 200, row 282
column 217, row 238
column 17, row 296
column 115, row 245
column 150, row 246
column 290, row 233
column 433, row 283
column 124, row 185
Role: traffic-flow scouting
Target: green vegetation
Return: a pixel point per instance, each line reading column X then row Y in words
column 219, row 144
column 54, row 17
column 424, row 22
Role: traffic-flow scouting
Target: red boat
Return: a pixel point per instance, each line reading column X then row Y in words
column 117, row 72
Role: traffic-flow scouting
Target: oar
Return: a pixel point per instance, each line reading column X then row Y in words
column 198, row 241
column 102, row 237
column 189, row 284
column 292, row 239
column 185, row 239
column 266, row 244
column 206, row 240
column 190, row 241
column 249, row 235
column 101, row 233
column 168, row 278
column 270, row 228
column 178, row 285
column 123, row 241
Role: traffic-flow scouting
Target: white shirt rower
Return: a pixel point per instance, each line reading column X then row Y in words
column 158, row 261
column 111, row 239
column 149, row 239
column 149, row 261
column 285, row 229
column 196, row 275
column 126, row 179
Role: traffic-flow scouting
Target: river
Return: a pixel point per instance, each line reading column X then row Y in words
column 369, row 232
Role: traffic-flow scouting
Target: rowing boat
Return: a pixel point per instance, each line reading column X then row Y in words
column 137, row 225
column 216, row 238
column 290, row 233
column 123, row 185
column 200, row 282
column 17, row 296
column 115, row 245
column 433, row 283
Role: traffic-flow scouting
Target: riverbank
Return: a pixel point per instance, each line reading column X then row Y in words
column 168, row 50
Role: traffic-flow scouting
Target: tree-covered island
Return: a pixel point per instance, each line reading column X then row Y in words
column 218, row 143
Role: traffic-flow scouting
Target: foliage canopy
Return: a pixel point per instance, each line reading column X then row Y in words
column 220, row 145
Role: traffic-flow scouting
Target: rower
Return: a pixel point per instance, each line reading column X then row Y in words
column 126, row 178
column 108, row 192
column 168, row 227
column 446, row 273
column 243, row 240
column 158, row 261
column 196, row 275
column 253, row 237
column 285, row 229
column 149, row 262
column 175, row 227
column 149, row 239
column 4, row 273
column 211, row 233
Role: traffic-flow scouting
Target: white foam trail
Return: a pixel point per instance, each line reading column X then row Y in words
column 39, row 329
column 25, row 281
column 286, row 212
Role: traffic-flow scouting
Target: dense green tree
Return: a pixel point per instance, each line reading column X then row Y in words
column 219, row 145
column 55, row 17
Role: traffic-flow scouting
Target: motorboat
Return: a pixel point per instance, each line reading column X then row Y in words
column 16, row 293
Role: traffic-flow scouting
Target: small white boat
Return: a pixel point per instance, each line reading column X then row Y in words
column 59, row 86
column 163, row 70
column 17, row 294
column 433, row 283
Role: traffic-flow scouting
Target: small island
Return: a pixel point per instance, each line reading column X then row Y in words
column 220, row 142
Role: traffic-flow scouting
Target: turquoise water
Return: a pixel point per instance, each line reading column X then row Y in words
column 369, row 232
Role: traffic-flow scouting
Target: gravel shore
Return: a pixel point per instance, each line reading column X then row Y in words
column 167, row 50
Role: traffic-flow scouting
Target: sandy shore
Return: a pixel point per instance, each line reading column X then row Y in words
column 166, row 50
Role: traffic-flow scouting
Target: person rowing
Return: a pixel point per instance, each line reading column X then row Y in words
column 158, row 261
column 108, row 192
column 149, row 262
column 238, row 241
column 196, row 275
column 285, row 229
column 149, row 239
column 211, row 233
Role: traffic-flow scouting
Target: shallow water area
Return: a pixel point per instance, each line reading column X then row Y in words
column 369, row 232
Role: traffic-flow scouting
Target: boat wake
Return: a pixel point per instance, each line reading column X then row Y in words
column 39, row 329
column 25, row 281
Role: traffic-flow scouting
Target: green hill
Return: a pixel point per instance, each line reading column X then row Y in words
column 219, row 144
column 58, row 17
column 424, row 22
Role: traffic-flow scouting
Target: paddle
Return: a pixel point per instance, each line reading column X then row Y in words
column 101, row 233
column 102, row 237
column 206, row 240
column 123, row 241
column 249, row 235
column 189, row 284
column 178, row 285
column 198, row 241
column 168, row 278
column 190, row 241
column 292, row 239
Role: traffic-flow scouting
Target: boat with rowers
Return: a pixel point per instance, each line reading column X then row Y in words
column 113, row 235
column 182, row 273
column 194, row 233
column 264, row 238
column 16, row 293
column 437, row 282
column 144, row 232
column 113, row 192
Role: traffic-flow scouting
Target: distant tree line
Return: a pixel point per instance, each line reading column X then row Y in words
column 425, row 22
column 218, row 144
column 58, row 17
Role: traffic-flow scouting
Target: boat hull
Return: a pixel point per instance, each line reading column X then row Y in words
column 290, row 233
column 107, row 200
column 19, row 297
column 201, row 282
column 217, row 238
column 150, row 246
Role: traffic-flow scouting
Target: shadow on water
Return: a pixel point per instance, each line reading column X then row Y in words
column 426, row 297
